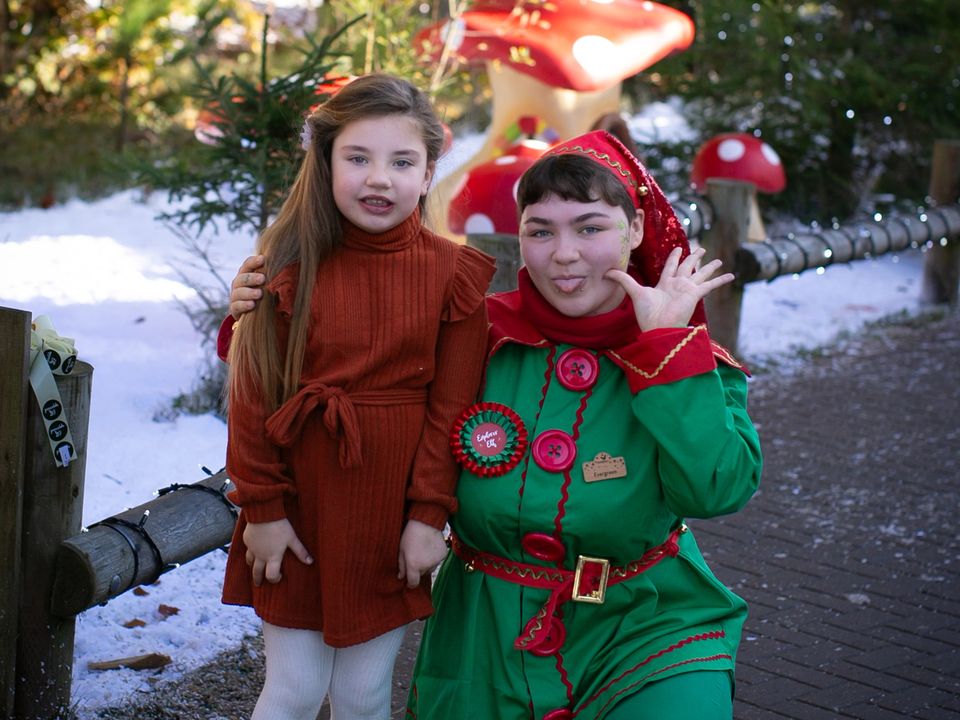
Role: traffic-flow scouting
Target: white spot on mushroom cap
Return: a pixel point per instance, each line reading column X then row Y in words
column 595, row 54
column 453, row 33
column 731, row 150
column 478, row 224
column 770, row 154
column 505, row 160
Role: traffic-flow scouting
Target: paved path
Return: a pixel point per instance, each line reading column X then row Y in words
column 849, row 555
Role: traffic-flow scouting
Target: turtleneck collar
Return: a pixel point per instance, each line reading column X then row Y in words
column 607, row 330
column 397, row 238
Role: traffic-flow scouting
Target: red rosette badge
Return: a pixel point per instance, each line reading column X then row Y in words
column 488, row 439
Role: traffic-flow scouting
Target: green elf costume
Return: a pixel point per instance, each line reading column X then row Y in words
column 574, row 583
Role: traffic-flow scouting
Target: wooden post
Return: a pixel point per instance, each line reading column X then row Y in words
column 731, row 206
column 506, row 250
column 941, row 265
column 52, row 507
column 14, row 373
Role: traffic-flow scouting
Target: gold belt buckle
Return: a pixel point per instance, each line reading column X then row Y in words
column 592, row 596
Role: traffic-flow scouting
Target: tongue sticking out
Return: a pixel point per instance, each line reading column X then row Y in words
column 569, row 285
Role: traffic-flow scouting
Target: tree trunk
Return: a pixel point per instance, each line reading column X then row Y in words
column 124, row 100
column 6, row 51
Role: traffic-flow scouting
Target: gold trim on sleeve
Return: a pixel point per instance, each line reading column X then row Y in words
column 663, row 363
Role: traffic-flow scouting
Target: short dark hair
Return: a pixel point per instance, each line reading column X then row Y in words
column 572, row 177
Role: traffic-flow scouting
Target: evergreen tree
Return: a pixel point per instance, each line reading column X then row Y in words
column 850, row 93
column 242, row 172
column 239, row 175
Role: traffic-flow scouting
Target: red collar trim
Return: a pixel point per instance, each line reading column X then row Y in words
column 507, row 326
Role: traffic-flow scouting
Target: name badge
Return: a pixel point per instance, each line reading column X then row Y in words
column 604, row 467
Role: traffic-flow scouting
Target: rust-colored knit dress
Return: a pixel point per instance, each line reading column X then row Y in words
column 394, row 353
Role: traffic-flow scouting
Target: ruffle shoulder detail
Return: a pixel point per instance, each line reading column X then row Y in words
column 471, row 279
column 284, row 286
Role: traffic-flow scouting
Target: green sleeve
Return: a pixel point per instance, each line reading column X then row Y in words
column 709, row 457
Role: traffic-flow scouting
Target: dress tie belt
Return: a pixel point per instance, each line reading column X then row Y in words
column 339, row 415
column 587, row 583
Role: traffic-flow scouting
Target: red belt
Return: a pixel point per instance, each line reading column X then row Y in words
column 588, row 582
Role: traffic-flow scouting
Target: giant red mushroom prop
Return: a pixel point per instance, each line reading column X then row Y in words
column 743, row 157
column 563, row 60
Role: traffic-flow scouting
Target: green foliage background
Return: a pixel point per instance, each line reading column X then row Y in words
column 850, row 93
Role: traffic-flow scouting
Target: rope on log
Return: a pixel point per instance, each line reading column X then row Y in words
column 138, row 545
column 796, row 252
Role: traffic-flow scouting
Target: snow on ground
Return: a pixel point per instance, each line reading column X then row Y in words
column 104, row 272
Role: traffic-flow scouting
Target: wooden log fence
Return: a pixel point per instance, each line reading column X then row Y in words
column 941, row 269
column 41, row 506
column 14, row 371
column 52, row 510
column 930, row 228
column 138, row 545
column 51, row 569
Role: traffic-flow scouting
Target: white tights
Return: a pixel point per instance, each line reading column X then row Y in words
column 302, row 669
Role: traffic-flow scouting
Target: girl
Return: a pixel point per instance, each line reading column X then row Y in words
column 575, row 589
column 343, row 386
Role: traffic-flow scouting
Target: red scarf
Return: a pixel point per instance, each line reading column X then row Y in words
column 597, row 332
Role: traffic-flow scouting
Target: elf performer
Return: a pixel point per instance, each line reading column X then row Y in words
column 574, row 588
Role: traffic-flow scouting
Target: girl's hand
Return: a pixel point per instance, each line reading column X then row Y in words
column 422, row 548
column 682, row 285
column 245, row 289
column 266, row 545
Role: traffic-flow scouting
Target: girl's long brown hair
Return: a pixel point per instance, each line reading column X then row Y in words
column 307, row 230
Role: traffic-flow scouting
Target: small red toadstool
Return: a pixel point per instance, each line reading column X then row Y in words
column 743, row 157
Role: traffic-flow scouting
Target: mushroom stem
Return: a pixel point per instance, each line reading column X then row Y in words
column 568, row 112
column 756, row 232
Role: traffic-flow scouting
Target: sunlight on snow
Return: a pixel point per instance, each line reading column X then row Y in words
column 85, row 269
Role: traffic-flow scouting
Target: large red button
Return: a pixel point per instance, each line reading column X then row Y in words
column 561, row 714
column 556, row 634
column 554, row 451
column 577, row 369
column 543, row 546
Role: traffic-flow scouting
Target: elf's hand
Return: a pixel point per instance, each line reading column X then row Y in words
column 246, row 287
column 682, row 285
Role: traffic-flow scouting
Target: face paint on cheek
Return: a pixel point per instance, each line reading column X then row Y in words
column 624, row 246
